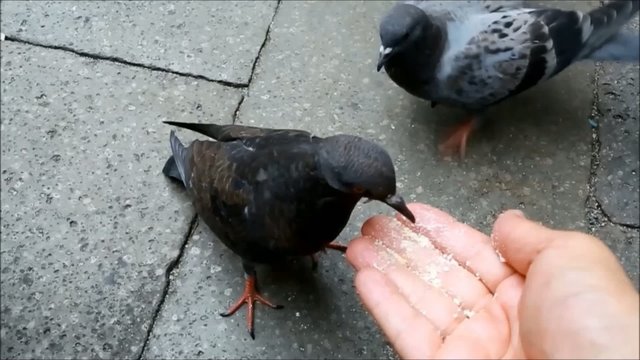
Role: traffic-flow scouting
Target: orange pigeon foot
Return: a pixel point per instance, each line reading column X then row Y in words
column 338, row 247
column 457, row 141
column 249, row 297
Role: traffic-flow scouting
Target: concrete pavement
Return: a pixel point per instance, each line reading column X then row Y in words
column 101, row 256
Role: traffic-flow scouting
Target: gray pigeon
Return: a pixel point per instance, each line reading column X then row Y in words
column 474, row 54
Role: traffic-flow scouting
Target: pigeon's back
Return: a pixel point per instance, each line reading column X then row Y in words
column 459, row 10
column 491, row 57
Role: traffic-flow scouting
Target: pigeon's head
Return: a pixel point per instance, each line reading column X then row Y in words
column 398, row 29
column 361, row 168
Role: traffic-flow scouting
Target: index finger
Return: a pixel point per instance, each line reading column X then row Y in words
column 412, row 335
column 472, row 249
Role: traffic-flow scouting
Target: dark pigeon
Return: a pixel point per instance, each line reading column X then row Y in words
column 475, row 54
column 269, row 194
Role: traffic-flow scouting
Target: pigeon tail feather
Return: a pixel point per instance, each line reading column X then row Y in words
column 606, row 40
column 170, row 169
column 211, row 130
column 179, row 157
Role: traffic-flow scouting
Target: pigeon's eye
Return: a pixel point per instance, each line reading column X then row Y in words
column 358, row 189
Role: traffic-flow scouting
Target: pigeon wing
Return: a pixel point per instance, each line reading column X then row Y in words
column 250, row 198
column 494, row 56
column 498, row 55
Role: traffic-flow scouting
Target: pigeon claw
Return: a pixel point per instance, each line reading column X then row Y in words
column 334, row 246
column 457, row 141
column 249, row 297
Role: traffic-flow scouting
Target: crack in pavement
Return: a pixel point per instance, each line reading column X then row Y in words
column 267, row 37
column 237, row 110
column 119, row 60
column 165, row 291
column 596, row 216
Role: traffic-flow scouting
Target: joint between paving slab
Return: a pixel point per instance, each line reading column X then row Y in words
column 608, row 218
column 122, row 61
column 595, row 214
column 267, row 36
column 237, row 110
column 165, row 291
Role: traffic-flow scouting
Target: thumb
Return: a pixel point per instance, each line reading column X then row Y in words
column 519, row 240
column 574, row 282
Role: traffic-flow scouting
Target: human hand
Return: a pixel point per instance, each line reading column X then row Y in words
column 438, row 289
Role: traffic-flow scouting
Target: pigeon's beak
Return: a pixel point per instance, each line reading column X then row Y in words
column 397, row 202
column 385, row 54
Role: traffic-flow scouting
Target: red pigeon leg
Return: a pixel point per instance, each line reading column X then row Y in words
column 456, row 143
column 249, row 297
column 335, row 246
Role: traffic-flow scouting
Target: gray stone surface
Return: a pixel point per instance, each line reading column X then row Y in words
column 89, row 224
column 625, row 243
column 618, row 181
column 212, row 38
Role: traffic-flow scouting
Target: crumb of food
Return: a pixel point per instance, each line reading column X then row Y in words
column 494, row 240
column 448, row 257
column 396, row 256
column 419, row 239
column 468, row 313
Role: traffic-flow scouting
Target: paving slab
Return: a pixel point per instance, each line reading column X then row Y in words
column 89, row 223
column 625, row 243
column 534, row 155
column 618, row 180
column 216, row 39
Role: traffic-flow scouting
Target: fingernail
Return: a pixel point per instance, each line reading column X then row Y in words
column 518, row 213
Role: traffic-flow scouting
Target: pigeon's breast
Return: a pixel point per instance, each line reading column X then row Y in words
column 414, row 67
column 406, row 75
column 300, row 221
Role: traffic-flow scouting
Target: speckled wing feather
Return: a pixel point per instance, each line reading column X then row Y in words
column 493, row 56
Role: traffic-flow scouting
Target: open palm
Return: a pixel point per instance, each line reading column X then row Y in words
column 449, row 291
column 439, row 289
